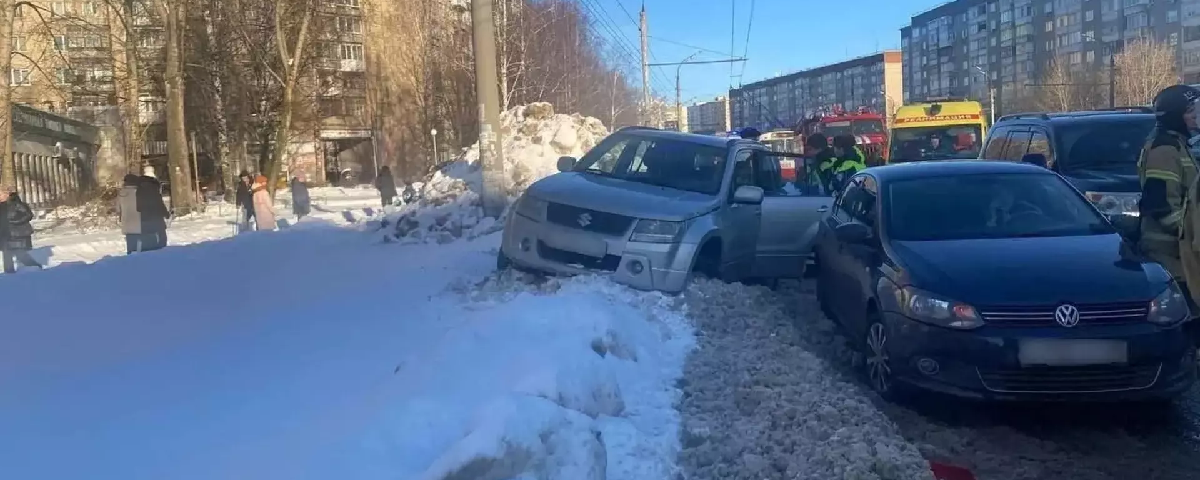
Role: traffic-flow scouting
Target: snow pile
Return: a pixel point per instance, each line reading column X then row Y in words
column 763, row 397
column 570, row 379
column 534, row 137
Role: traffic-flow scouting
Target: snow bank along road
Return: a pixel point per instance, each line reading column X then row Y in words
column 759, row 402
column 317, row 352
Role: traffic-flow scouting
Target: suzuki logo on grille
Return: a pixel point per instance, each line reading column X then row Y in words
column 1066, row 315
column 585, row 220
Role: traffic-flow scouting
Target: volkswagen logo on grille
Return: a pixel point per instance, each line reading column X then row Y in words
column 585, row 220
column 1066, row 315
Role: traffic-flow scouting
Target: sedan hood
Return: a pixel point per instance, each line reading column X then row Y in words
column 622, row 197
column 1031, row 271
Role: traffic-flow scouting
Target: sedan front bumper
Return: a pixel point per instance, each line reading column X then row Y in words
column 985, row 363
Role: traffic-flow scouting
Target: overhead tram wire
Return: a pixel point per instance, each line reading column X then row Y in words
column 659, row 83
column 681, row 44
column 746, row 47
column 732, row 37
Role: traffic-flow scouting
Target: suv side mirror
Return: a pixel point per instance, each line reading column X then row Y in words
column 566, row 164
column 748, row 194
column 852, row 233
column 1038, row 159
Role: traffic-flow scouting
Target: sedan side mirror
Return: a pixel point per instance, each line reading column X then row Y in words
column 748, row 194
column 852, row 233
column 566, row 164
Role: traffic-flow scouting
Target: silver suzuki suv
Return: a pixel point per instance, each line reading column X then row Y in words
column 651, row 207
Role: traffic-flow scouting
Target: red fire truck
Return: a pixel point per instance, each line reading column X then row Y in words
column 868, row 128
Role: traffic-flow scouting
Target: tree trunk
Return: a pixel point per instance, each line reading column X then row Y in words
column 291, row 76
column 282, row 134
column 131, row 123
column 182, row 197
column 8, row 165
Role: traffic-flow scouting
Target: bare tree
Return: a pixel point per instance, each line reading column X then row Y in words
column 1144, row 68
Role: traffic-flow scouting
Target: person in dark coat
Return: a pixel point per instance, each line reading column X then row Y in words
column 301, row 201
column 244, row 199
column 154, row 213
column 131, row 219
column 386, row 185
column 16, row 232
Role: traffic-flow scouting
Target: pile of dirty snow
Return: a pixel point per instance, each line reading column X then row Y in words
column 533, row 137
column 570, row 379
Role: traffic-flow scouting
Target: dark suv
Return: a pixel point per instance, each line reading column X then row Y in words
column 1097, row 151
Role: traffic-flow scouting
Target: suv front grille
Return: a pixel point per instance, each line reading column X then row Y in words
column 588, row 220
column 1092, row 379
column 1089, row 315
column 608, row 263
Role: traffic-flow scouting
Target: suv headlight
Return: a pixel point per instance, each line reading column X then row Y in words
column 532, row 208
column 929, row 308
column 657, row 231
column 1169, row 307
column 1112, row 203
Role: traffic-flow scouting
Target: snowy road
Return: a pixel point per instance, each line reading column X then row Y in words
column 996, row 442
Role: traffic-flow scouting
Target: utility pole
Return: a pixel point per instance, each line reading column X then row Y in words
column 487, row 92
column 1112, row 80
column 992, row 104
column 645, row 68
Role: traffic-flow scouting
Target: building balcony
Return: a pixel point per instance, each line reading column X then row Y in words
column 342, row 65
column 154, row 147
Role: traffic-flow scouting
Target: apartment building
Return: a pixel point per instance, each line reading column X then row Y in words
column 873, row 81
column 69, row 57
column 709, row 117
column 968, row 47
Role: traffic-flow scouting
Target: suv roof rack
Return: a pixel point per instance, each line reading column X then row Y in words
column 1015, row 116
column 1130, row 109
column 635, row 127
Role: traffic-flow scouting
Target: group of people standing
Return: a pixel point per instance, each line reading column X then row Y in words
column 143, row 213
column 257, row 207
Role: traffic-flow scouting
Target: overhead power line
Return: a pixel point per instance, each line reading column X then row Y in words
column 681, row 44
column 746, row 47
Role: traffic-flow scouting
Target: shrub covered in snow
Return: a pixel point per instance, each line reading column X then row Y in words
column 533, row 138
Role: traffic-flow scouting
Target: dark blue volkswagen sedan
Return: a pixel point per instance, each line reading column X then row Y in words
column 999, row 281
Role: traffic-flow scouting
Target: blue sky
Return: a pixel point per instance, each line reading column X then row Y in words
column 785, row 36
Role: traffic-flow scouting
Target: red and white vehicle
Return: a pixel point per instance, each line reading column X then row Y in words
column 783, row 141
column 868, row 128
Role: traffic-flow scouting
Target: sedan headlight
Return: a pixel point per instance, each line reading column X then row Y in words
column 929, row 308
column 1169, row 307
column 532, row 208
column 657, row 231
column 1112, row 203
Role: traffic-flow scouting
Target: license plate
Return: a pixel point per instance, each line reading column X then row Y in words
column 1072, row 353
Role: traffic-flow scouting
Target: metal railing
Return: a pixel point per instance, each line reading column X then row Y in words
column 44, row 181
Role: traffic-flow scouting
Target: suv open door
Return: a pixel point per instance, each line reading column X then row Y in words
column 791, row 213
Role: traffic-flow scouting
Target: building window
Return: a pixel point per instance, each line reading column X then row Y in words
column 19, row 76
column 91, row 8
column 1089, row 15
column 18, row 43
column 351, row 51
column 1049, row 25
column 1091, row 56
column 63, row 76
column 1172, row 15
column 60, row 42
column 349, row 24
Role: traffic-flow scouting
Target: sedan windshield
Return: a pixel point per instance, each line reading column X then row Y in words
column 1010, row 205
column 912, row 144
column 662, row 162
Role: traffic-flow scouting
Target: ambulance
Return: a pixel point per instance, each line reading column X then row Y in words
column 938, row 129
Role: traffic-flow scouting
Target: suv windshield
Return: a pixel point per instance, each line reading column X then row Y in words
column 852, row 127
column 1009, row 205
column 1110, row 146
column 911, row 144
column 655, row 161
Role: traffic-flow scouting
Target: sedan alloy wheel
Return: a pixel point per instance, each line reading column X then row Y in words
column 878, row 365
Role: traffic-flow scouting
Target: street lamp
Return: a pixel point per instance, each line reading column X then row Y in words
column 435, row 157
column 991, row 94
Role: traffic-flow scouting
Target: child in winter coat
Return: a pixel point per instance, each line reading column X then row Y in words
column 264, row 211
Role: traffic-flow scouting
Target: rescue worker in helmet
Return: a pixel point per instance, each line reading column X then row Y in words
column 1166, row 170
column 849, row 160
column 818, row 167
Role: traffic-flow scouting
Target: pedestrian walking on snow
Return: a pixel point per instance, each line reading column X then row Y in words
column 386, row 185
column 16, row 232
column 301, row 201
column 264, row 211
column 153, row 213
column 131, row 219
column 244, row 200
